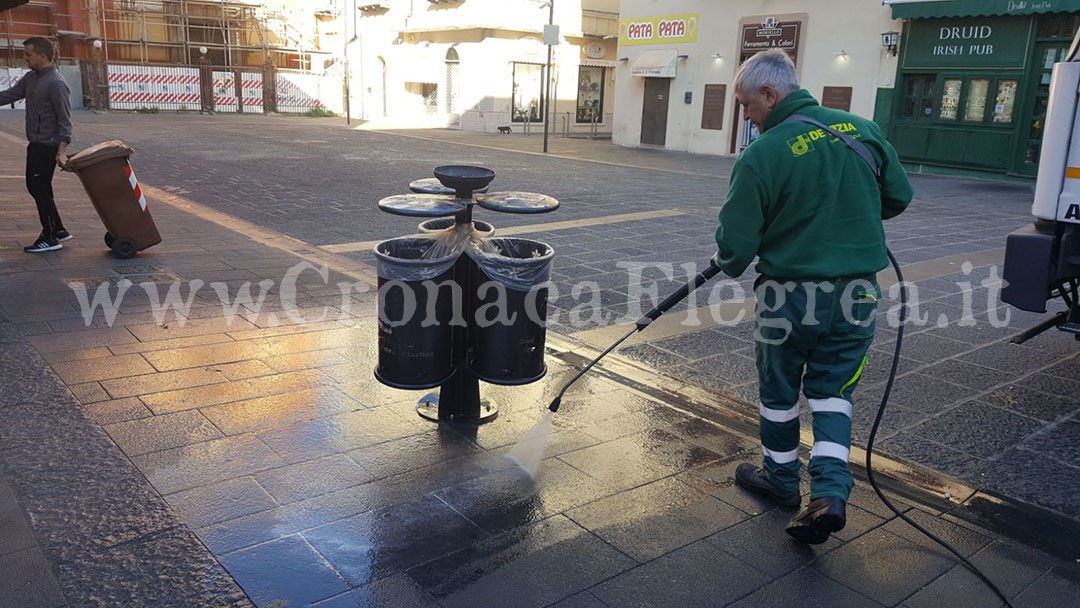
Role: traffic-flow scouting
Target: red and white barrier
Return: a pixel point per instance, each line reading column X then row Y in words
column 132, row 87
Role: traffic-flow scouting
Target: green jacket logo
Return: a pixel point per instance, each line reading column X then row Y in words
column 800, row 145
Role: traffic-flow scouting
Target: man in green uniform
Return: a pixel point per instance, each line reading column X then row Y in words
column 811, row 209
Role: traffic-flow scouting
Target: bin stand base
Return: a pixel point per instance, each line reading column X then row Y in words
column 458, row 400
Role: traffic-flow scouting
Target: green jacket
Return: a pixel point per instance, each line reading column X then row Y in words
column 806, row 204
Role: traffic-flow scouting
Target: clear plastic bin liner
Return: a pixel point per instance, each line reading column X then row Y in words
column 418, row 257
column 519, row 264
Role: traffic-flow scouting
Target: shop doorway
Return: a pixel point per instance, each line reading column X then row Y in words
column 654, row 111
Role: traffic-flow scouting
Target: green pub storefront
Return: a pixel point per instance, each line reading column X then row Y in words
column 973, row 80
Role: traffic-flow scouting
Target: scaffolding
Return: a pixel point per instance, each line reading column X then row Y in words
column 223, row 33
column 31, row 19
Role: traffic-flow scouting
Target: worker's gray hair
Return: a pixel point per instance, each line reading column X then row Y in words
column 773, row 68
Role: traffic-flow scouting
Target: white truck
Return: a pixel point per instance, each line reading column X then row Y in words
column 1042, row 261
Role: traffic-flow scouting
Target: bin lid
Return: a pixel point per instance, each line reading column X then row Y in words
column 97, row 153
column 517, row 202
column 432, row 185
column 423, row 205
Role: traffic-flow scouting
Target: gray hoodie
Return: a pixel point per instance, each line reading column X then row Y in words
column 48, row 105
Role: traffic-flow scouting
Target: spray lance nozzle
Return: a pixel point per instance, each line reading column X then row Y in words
column 711, row 271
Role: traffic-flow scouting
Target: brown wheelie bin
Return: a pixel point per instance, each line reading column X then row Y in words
column 106, row 175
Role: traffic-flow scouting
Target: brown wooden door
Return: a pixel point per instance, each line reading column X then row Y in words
column 654, row 111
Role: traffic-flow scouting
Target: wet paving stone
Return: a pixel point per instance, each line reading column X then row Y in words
column 28, row 582
column 1052, row 589
column 511, row 498
column 805, row 588
column 580, row 600
column 698, row 575
column 204, row 463
column 929, row 453
column 165, row 432
column 310, row 478
column 287, row 571
column 220, row 502
column 528, row 568
column 398, row 591
column 639, row 459
column 375, row 545
column 761, row 542
column 414, row 452
column 869, row 565
column 340, row 433
column 657, row 518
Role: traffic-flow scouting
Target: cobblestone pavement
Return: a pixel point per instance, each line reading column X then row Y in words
column 247, row 456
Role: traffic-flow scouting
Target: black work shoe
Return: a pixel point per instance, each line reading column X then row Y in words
column 818, row 520
column 42, row 245
column 63, row 235
column 754, row 479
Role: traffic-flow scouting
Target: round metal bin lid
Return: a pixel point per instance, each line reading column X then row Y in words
column 517, row 202
column 423, row 205
column 432, row 185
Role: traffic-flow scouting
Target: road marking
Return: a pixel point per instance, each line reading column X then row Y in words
column 267, row 237
column 532, row 228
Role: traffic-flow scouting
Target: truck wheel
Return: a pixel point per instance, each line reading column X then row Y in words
column 124, row 248
column 109, row 238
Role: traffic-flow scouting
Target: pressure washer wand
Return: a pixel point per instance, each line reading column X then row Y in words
column 711, row 271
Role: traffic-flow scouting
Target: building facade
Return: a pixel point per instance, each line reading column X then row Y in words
column 483, row 64
column 677, row 61
column 974, row 80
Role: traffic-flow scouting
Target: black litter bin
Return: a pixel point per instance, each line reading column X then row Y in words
column 481, row 230
column 415, row 335
column 507, row 337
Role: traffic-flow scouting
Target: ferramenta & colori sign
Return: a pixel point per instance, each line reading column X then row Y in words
column 770, row 34
column 669, row 29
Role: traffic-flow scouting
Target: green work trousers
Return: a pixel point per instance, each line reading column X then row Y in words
column 813, row 335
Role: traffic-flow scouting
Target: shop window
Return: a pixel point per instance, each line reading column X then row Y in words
column 590, row 97
column 975, row 107
column 918, row 96
column 1004, row 101
column 950, row 98
column 528, row 92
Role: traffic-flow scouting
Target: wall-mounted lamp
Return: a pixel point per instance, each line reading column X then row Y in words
column 203, row 50
column 97, row 44
column 624, row 59
column 841, row 54
column 889, row 41
column 718, row 55
column 683, row 57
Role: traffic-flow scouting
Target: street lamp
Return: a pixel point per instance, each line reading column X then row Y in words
column 551, row 38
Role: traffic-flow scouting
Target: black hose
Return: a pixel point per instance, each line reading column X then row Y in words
column 877, row 423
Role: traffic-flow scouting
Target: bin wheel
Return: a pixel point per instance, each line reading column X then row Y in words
column 109, row 238
column 124, row 247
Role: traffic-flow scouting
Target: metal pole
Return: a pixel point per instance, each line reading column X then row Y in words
column 547, row 89
column 345, row 31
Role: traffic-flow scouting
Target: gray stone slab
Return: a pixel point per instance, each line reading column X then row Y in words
column 1036, row 478
column 398, row 591
column 883, row 566
column 978, row 428
column 962, row 538
column 909, row 446
column 286, row 572
column 1052, row 589
column 970, row 374
column 220, row 502
column 15, row 532
column 638, row 459
column 510, row 498
column 163, row 432
column 205, row 463
column 312, row 477
column 413, row 452
column 656, row 518
column 699, row 575
column 374, row 545
column 762, row 543
column 28, row 581
column 1036, row 404
column 528, row 568
column 581, row 600
column 805, row 588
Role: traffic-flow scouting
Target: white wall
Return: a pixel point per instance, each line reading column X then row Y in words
column 828, row 27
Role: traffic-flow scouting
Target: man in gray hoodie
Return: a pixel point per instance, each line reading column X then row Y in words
column 48, row 129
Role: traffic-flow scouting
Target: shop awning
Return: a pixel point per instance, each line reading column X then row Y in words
column 932, row 9
column 6, row 4
column 657, row 63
